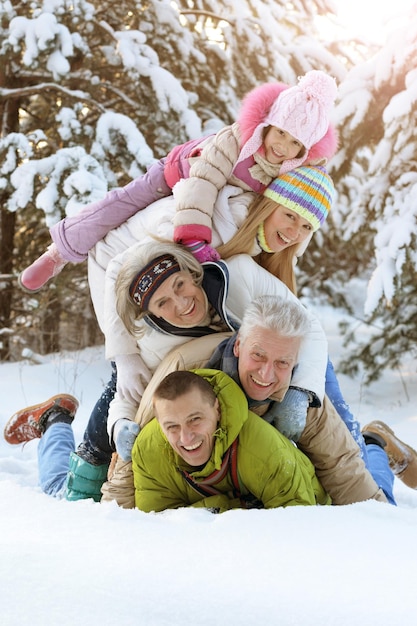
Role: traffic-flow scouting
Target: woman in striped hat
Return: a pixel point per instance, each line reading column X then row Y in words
column 281, row 222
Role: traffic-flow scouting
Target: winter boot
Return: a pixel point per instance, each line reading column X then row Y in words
column 30, row 423
column 84, row 480
column 402, row 458
column 47, row 266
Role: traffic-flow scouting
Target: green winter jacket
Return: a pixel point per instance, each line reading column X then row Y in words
column 270, row 468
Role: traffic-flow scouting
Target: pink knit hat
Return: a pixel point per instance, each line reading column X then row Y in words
column 302, row 111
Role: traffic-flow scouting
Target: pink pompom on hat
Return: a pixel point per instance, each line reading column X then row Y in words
column 302, row 111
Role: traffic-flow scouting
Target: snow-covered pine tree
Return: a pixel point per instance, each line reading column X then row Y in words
column 376, row 213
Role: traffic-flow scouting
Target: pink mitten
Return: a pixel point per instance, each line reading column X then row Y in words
column 202, row 251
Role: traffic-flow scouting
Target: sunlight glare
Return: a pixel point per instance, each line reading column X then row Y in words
column 371, row 20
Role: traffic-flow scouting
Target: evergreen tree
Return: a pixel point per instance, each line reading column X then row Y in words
column 376, row 212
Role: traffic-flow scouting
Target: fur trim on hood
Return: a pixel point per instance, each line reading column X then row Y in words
column 254, row 109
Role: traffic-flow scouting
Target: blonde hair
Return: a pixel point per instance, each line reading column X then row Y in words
column 128, row 310
column 280, row 264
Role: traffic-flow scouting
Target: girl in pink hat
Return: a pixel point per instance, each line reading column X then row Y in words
column 278, row 129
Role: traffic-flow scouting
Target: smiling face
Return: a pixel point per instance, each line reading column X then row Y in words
column 189, row 423
column 179, row 301
column 266, row 361
column 284, row 228
column 280, row 146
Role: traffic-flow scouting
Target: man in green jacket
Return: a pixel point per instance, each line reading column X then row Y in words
column 207, row 449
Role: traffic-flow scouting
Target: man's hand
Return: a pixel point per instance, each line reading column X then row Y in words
column 290, row 415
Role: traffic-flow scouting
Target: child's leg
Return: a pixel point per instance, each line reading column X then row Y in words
column 54, row 451
column 75, row 236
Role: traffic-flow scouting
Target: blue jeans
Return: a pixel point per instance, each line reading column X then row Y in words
column 380, row 470
column 334, row 394
column 54, row 451
column 58, row 442
column 374, row 457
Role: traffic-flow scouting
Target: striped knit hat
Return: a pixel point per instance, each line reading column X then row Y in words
column 307, row 190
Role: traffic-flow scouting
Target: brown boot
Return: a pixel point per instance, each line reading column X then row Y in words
column 402, row 458
column 29, row 423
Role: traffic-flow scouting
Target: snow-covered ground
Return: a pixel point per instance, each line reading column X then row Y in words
column 75, row 563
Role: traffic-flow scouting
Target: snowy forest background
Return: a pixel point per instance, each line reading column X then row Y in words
column 92, row 92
